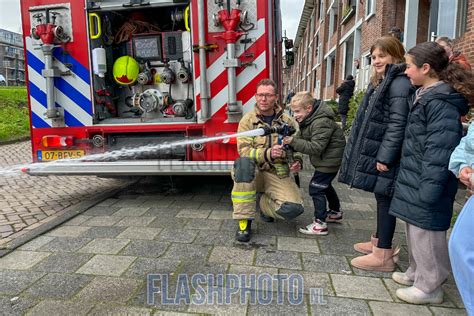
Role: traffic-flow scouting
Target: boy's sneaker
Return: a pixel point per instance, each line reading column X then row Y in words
column 315, row 228
column 334, row 216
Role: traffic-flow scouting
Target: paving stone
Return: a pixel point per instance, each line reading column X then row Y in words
column 78, row 220
column 14, row 282
column 452, row 293
column 108, row 289
column 298, row 308
column 64, row 262
column 231, row 255
column 320, row 282
column 50, row 307
column 15, row 305
column 56, row 285
column 382, row 308
column 204, row 224
column 189, row 252
column 443, row 311
column 36, row 243
column 325, row 263
column 169, row 222
column 101, row 210
column 102, row 232
column 249, row 276
column 337, row 247
column 108, row 202
column 102, row 221
column 65, row 244
column 184, row 236
column 278, row 259
column 120, row 310
column 158, row 300
column 182, row 204
column 131, row 211
column 163, row 313
column 145, row 248
column 68, row 231
column 144, row 266
column 104, row 246
column 106, row 265
column 161, row 212
column 219, row 214
column 297, row 244
column 350, row 286
column 219, row 238
column 214, row 273
column 279, row 228
column 22, row 260
column 140, row 233
column 135, row 221
column 165, row 202
column 128, row 203
column 339, row 306
column 220, row 308
column 193, row 213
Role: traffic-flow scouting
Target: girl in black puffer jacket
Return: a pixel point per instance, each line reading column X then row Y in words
column 372, row 154
column 425, row 188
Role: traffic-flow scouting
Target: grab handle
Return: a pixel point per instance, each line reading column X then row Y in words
column 95, row 16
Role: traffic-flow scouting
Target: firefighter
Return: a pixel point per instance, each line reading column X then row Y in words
column 263, row 167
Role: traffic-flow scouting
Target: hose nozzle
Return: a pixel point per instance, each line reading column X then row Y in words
column 284, row 130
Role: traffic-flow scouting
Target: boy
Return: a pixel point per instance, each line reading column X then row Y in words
column 323, row 140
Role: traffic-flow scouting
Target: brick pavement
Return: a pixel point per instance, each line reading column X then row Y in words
column 28, row 202
column 97, row 262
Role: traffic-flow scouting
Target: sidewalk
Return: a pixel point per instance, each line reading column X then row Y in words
column 27, row 203
column 97, row 263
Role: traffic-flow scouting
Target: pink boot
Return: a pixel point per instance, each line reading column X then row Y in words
column 380, row 259
column 366, row 247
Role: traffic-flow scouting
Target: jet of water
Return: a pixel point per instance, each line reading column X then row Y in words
column 127, row 152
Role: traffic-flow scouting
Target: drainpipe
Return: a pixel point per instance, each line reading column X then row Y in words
column 205, row 104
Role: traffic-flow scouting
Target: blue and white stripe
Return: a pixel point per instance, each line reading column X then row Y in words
column 72, row 93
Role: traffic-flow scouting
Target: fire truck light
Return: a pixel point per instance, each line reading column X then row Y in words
column 57, row 141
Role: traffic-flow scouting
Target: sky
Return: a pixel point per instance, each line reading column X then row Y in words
column 291, row 13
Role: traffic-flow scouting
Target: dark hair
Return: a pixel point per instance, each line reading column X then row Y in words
column 433, row 54
column 349, row 77
column 391, row 46
column 446, row 40
column 267, row 82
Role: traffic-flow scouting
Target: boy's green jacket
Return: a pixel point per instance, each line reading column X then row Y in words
column 321, row 138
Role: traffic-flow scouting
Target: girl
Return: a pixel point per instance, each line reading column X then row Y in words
column 425, row 189
column 372, row 154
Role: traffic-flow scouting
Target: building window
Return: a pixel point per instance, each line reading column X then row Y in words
column 349, row 57
column 461, row 20
column 369, row 8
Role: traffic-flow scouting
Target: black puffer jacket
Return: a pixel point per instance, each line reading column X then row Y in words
column 377, row 134
column 345, row 91
column 425, row 188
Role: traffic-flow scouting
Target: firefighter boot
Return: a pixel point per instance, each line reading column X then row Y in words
column 244, row 231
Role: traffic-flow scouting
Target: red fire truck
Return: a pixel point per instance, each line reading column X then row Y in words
column 113, row 74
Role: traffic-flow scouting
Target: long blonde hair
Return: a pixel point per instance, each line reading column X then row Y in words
column 391, row 46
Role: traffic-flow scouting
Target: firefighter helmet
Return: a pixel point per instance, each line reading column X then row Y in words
column 126, row 70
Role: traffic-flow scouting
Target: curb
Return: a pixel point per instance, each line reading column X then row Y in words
column 67, row 214
column 16, row 140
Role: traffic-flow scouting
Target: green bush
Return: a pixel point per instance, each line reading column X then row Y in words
column 354, row 103
column 14, row 118
column 334, row 106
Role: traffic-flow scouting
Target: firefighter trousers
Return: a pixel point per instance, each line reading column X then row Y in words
column 280, row 198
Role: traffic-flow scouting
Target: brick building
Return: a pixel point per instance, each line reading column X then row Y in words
column 334, row 37
column 12, row 58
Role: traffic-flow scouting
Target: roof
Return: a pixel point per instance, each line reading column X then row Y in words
column 305, row 16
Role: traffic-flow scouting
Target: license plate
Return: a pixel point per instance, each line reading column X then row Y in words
column 48, row 155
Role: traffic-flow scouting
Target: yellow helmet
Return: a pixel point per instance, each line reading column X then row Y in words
column 126, row 70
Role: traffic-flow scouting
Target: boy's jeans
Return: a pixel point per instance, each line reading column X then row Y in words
column 320, row 189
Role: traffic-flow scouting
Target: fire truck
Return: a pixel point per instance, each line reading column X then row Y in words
column 114, row 74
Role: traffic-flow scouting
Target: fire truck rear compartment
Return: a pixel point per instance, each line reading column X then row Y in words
column 141, row 58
